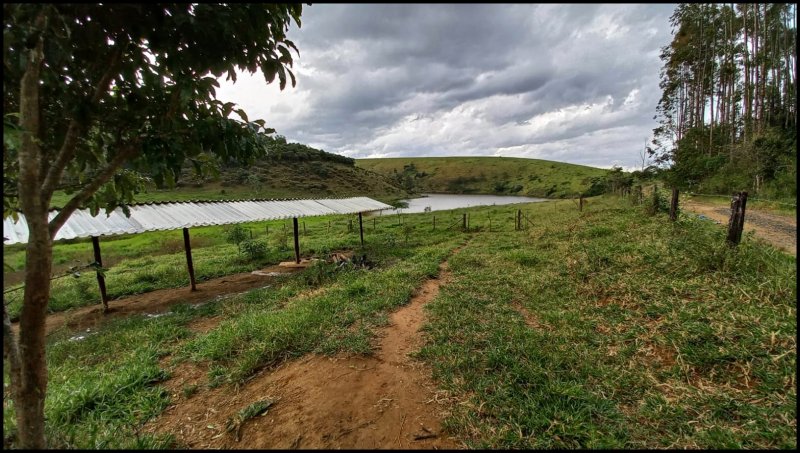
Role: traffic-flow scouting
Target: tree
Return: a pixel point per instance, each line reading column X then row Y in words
column 100, row 94
column 728, row 93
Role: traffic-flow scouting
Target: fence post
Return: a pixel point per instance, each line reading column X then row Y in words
column 434, row 223
column 736, row 222
column 673, row 206
column 464, row 222
column 580, row 203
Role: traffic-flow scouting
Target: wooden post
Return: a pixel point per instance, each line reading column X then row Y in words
column 519, row 219
column 304, row 228
column 187, row 245
column 349, row 225
column 673, row 205
column 467, row 221
column 580, row 203
column 361, row 229
column 373, row 224
column 101, row 281
column 251, row 233
column 736, row 222
column 434, row 223
column 296, row 242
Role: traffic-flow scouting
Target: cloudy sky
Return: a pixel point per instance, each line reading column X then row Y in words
column 571, row 83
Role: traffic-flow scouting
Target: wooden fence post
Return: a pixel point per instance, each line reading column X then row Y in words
column 673, row 205
column 580, row 203
column 736, row 222
column 464, row 222
column 434, row 223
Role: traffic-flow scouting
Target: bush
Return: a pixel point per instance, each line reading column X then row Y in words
column 658, row 203
column 253, row 249
column 235, row 235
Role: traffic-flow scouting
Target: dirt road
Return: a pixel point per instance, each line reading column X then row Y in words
column 778, row 230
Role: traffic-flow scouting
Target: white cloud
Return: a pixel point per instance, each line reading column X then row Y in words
column 573, row 83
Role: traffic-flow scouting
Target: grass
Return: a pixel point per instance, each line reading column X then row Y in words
column 604, row 328
column 491, row 175
column 611, row 329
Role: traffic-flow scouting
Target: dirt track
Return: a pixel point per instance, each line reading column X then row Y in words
column 386, row 400
column 778, row 230
column 160, row 300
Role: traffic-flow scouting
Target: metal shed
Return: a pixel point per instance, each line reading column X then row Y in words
column 159, row 216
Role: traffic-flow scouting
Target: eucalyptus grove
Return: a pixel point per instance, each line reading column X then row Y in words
column 95, row 96
column 728, row 111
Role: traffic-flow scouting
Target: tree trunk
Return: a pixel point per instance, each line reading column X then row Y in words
column 30, row 386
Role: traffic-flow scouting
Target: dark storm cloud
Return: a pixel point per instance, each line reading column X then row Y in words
column 577, row 83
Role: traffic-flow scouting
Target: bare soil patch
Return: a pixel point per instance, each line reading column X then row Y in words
column 778, row 230
column 386, row 400
column 161, row 300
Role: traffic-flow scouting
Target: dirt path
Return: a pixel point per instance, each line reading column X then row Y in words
column 386, row 400
column 778, row 230
column 161, row 300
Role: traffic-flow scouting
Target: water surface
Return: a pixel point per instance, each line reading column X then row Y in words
column 442, row 202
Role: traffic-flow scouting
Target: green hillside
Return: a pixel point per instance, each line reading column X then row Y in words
column 487, row 175
column 290, row 170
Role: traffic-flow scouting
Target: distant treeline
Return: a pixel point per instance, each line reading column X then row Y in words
column 279, row 149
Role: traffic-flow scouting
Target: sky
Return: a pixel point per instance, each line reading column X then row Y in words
column 573, row 83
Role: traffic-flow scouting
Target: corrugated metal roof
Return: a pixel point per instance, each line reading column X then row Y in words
column 175, row 215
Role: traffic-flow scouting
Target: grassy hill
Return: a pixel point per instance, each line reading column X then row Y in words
column 276, row 179
column 487, row 175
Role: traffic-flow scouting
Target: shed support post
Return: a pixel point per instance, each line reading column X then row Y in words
column 187, row 245
column 361, row 228
column 296, row 242
column 101, row 281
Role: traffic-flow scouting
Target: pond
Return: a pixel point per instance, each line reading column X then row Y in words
column 442, row 202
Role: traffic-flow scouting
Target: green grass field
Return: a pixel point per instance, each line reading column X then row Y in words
column 489, row 175
column 606, row 328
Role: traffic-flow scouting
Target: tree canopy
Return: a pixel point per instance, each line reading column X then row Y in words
column 135, row 82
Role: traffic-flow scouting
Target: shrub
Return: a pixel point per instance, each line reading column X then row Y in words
column 253, row 249
column 236, row 235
